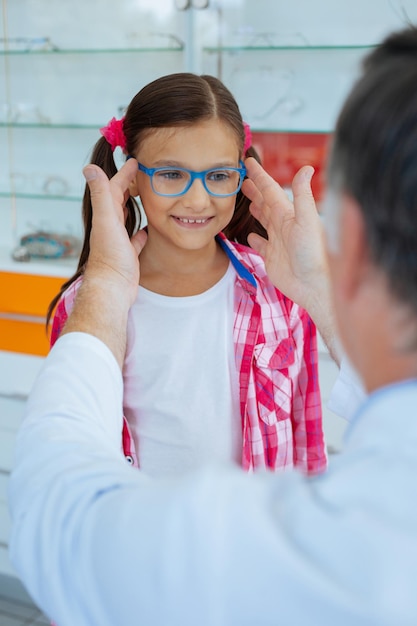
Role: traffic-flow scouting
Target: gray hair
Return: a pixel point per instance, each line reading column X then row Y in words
column 373, row 159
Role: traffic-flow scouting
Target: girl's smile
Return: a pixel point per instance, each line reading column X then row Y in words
column 192, row 222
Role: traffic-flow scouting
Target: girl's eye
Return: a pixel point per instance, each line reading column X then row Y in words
column 219, row 176
column 169, row 174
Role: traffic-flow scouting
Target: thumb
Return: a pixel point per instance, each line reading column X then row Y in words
column 94, row 176
column 98, row 184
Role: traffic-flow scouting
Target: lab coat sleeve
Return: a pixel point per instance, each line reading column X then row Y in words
column 97, row 543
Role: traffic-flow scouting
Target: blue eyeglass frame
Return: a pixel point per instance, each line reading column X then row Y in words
column 150, row 171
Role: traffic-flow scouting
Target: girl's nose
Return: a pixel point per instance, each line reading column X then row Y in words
column 197, row 197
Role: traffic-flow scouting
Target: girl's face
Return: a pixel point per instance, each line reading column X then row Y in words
column 190, row 221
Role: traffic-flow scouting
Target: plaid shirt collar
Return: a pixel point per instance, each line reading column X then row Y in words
column 244, row 272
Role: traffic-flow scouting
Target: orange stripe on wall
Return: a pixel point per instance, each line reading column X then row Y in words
column 26, row 294
column 24, row 337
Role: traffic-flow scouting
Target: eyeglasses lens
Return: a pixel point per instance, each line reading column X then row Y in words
column 219, row 182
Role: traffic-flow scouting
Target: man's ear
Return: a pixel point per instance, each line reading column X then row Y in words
column 354, row 249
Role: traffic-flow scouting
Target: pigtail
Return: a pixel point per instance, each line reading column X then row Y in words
column 102, row 156
column 243, row 223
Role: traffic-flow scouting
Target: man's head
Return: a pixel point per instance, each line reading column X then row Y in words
column 373, row 172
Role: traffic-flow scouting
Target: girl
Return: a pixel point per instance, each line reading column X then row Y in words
column 219, row 366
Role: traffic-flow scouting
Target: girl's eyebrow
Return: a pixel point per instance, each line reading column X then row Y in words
column 167, row 163
column 171, row 163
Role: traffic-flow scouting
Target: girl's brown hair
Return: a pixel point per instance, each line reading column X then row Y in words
column 175, row 100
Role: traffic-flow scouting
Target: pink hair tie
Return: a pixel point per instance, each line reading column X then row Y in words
column 248, row 137
column 113, row 133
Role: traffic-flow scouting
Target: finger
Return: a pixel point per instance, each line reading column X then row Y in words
column 139, row 240
column 251, row 191
column 126, row 196
column 100, row 186
column 259, row 215
column 126, row 174
column 98, row 181
column 258, row 243
column 271, row 191
column 94, row 176
column 304, row 203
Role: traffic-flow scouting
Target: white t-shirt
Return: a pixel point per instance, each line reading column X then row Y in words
column 181, row 385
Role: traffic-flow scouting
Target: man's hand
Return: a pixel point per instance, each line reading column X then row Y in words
column 112, row 255
column 111, row 276
column 294, row 254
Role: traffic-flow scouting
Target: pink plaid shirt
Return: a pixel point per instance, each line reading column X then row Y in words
column 276, row 357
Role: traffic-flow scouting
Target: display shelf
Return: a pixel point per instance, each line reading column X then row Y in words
column 39, row 196
column 58, row 52
column 287, row 88
column 298, row 48
column 64, row 268
column 49, row 126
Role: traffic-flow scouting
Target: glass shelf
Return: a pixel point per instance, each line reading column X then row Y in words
column 52, row 126
column 39, row 196
column 266, row 48
column 70, row 51
column 290, row 81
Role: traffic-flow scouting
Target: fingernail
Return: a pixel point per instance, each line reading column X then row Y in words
column 90, row 173
column 308, row 173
